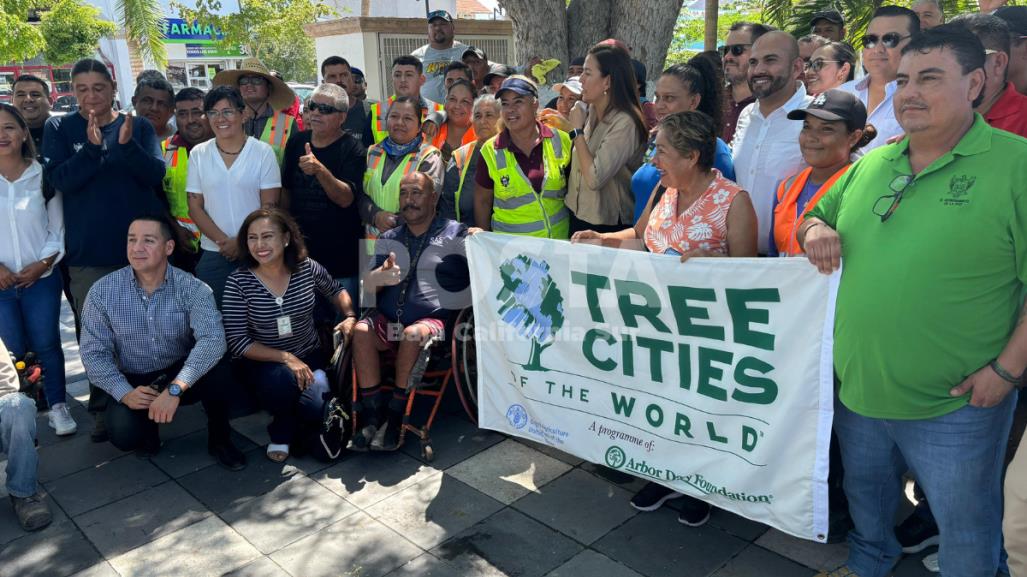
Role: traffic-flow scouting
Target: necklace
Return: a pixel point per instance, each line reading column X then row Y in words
column 223, row 151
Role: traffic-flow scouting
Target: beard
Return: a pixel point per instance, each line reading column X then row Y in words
column 764, row 90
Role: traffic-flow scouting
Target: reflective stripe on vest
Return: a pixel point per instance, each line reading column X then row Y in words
column 517, row 207
column 176, row 162
column 386, row 195
column 462, row 158
column 379, row 128
column 276, row 133
column 786, row 221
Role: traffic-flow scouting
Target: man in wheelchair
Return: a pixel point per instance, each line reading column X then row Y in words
column 419, row 278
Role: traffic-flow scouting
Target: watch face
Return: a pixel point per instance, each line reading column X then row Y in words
column 175, row 390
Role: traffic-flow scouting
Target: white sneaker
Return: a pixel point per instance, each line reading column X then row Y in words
column 931, row 563
column 61, row 420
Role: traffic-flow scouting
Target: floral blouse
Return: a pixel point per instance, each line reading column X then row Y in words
column 702, row 226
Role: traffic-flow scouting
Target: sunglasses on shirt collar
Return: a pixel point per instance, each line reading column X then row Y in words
column 890, row 40
column 734, row 49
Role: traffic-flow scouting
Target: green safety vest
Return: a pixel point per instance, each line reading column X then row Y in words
column 462, row 158
column 176, row 163
column 276, row 133
column 517, row 208
column 386, row 195
column 378, row 113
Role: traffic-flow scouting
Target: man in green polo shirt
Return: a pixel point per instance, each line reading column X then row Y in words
column 933, row 232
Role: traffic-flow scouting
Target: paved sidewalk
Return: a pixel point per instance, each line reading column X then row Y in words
column 487, row 506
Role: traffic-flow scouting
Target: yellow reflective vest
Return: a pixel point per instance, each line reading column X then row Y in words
column 176, row 163
column 380, row 130
column 462, row 158
column 276, row 133
column 386, row 195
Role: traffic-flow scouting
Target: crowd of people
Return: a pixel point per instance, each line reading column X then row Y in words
column 205, row 242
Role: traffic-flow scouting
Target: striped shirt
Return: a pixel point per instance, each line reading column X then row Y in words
column 125, row 330
column 252, row 312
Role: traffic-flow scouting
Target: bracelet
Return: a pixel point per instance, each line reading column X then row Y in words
column 1004, row 374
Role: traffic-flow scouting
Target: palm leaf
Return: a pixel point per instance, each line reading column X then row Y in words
column 142, row 22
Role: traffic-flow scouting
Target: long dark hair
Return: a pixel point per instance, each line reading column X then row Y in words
column 844, row 53
column 700, row 77
column 615, row 63
column 295, row 252
column 28, row 147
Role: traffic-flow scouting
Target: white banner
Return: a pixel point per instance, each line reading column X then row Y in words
column 713, row 377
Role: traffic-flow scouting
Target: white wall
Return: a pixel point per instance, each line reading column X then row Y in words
column 392, row 8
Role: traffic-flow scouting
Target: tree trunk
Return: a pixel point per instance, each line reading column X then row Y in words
column 540, row 28
column 588, row 22
column 647, row 26
column 535, row 357
column 712, row 11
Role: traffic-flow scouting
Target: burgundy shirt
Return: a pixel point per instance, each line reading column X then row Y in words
column 731, row 113
column 531, row 164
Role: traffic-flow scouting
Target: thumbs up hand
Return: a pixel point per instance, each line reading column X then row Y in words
column 389, row 274
column 309, row 163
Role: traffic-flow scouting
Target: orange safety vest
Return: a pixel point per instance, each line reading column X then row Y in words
column 379, row 111
column 786, row 222
column 443, row 133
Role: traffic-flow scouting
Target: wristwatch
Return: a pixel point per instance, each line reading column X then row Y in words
column 175, row 390
column 574, row 133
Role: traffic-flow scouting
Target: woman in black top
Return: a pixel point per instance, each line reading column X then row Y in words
column 268, row 315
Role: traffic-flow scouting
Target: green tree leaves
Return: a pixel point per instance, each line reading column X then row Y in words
column 72, row 31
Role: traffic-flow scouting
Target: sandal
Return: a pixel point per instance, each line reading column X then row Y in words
column 277, row 452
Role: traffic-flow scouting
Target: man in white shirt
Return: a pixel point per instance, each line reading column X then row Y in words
column 437, row 54
column 889, row 31
column 766, row 144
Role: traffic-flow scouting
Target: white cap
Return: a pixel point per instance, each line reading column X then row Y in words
column 573, row 84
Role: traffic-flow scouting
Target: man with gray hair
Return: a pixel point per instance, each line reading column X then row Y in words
column 322, row 174
column 930, row 13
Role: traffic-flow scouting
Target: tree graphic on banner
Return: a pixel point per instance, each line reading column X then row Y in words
column 531, row 303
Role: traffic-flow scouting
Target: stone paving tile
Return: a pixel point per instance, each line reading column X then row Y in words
column 454, row 439
column 758, row 561
column 220, row 489
column 816, row 555
column 262, row 567
column 627, row 482
column 366, row 478
column 731, row 523
column 589, row 562
column 427, row 565
column 552, row 452
column 508, row 542
column 46, row 435
column 75, row 454
column 508, row 471
column 11, row 530
column 434, row 510
column 188, row 454
column 62, row 551
column 105, row 483
column 254, row 427
column 129, row 523
column 188, row 419
column 655, row 544
column 99, row 570
column 288, row 513
column 175, row 555
column 78, row 390
column 579, row 505
column 356, row 546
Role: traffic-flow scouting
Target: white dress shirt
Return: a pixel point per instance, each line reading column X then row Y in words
column 231, row 194
column 766, row 151
column 31, row 228
column 882, row 117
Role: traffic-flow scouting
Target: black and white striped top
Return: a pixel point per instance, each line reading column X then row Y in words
column 251, row 313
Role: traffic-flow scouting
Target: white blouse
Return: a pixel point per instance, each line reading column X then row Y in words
column 30, row 227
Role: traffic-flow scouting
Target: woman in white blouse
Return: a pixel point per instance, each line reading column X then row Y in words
column 230, row 176
column 31, row 242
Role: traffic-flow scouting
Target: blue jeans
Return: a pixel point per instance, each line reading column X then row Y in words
column 18, row 440
column 957, row 458
column 213, row 269
column 30, row 321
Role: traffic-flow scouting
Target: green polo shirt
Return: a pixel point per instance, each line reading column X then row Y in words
column 931, row 295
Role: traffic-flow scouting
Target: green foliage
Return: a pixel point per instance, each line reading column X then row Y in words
column 271, row 30
column 531, row 303
column 20, row 40
column 690, row 30
column 72, row 31
column 142, row 20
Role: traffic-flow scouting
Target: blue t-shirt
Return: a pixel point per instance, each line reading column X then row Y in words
column 805, row 196
column 645, row 179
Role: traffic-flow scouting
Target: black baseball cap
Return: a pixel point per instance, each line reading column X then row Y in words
column 520, row 85
column 829, row 15
column 439, row 14
column 579, row 61
column 498, row 70
column 835, row 104
column 474, row 50
column 1016, row 18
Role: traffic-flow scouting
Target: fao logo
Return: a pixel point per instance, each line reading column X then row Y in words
column 517, row 416
column 615, row 457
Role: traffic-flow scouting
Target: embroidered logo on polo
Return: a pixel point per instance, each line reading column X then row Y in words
column 959, row 189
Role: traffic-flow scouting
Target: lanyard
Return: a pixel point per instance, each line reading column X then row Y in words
column 410, row 274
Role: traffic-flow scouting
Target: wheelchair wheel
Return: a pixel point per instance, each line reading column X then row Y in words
column 465, row 363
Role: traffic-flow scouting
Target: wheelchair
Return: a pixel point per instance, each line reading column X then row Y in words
column 440, row 361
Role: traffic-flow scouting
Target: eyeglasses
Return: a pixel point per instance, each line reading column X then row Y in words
column 816, row 65
column 252, row 81
column 227, row 114
column 898, row 186
column 890, row 40
column 322, row 108
column 734, row 49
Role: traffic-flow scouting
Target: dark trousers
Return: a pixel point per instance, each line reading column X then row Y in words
column 297, row 415
column 132, row 429
column 578, row 225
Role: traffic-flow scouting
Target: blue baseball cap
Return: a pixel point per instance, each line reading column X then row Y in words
column 439, row 14
column 520, row 85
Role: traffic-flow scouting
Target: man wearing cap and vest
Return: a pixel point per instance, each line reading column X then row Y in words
column 193, row 128
column 267, row 98
column 521, row 179
column 407, row 79
column 403, row 151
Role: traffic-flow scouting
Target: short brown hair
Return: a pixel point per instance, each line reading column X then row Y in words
column 692, row 131
column 295, row 251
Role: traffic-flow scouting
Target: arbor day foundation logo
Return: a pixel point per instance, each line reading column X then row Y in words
column 615, row 457
column 531, row 303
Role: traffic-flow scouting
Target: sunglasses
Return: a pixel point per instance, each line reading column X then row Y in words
column 816, row 65
column 252, row 81
column 734, row 49
column 898, row 186
column 890, row 40
column 322, row 108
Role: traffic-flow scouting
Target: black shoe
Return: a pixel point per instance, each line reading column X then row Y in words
column 917, row 533
column 388, row 437
column 99, row 434
column 361, row 441
column 653, row 496
column 694, row 513
column 33, row 513
column 228, row 455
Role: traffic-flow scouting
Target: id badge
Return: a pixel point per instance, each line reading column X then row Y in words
column 284, row 326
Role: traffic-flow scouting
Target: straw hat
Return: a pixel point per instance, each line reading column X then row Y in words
column 280, row 96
